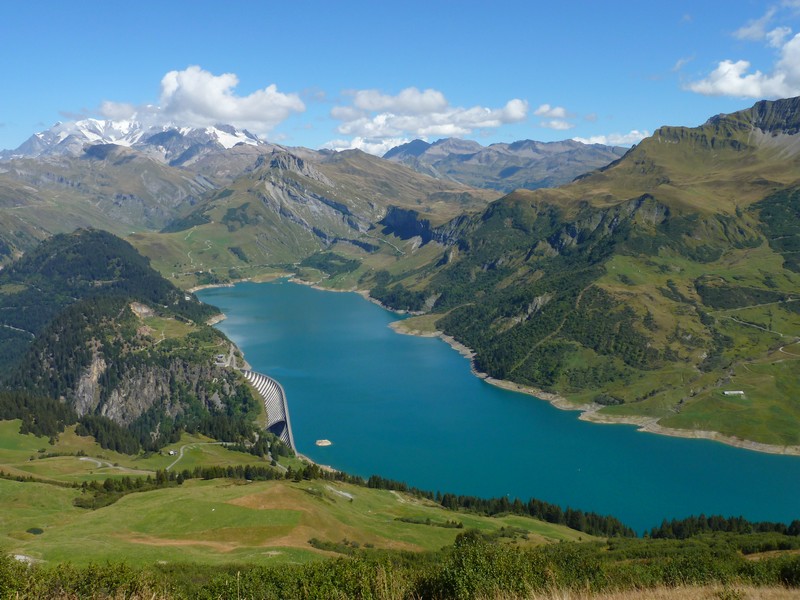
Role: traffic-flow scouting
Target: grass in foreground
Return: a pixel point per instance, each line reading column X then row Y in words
column 224, row 521
column 474, row 567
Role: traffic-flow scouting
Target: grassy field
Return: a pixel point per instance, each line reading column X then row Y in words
column 220, row 521
column 763, row 354
column 210, row 522
column 73, row 458
column 767, row 412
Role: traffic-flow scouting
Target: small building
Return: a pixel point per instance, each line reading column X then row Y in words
column 734, row 392
column 172, row 453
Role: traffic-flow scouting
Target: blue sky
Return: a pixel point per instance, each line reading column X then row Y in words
column 373, row 74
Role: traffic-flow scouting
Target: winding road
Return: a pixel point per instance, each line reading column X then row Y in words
column 192, row 445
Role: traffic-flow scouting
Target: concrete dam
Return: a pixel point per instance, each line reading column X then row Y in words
column 274, row 399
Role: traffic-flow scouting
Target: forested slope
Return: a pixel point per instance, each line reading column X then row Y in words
column 649, row 287
column 87, row 321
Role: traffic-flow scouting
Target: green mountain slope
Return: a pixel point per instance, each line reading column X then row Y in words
column 289, row 206
column 86, row 320
column 646, row 290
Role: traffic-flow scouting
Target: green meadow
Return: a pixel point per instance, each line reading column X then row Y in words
column 217, row 522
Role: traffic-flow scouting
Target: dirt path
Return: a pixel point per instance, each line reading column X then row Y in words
column 104, row 464
column 746, row 324
column 192, row 445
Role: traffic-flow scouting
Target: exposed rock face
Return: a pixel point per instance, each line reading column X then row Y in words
column 406, row 224
column 87, row 392
column 148, row 386
column 284, row 161
column 770, row 116
column 137, row 393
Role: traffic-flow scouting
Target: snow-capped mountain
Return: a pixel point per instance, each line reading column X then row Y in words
column 169, row 143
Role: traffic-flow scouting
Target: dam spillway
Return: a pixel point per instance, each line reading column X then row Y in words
column 275, row 405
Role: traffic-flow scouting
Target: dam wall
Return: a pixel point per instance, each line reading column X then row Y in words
column 274, row 399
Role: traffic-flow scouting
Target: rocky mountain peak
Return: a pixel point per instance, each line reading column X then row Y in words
column 281, row 160
column 412, row 148
column 171, row 143
column 770, row 116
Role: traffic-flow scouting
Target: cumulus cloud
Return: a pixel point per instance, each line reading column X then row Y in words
column 737, row 78
column 557, row 124
column 777, row 36
column 410, row 101
column 554, row 117
column 198, row 98
column 375, row 122
column 551, row 112
column 378, row 147
column 616, row 139
column 117, row 111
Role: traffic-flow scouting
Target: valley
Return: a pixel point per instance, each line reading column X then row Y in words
column 691, row 253
column 656, row 286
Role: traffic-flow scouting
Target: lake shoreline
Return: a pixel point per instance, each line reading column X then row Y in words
column 431, row 427
column 590, row 412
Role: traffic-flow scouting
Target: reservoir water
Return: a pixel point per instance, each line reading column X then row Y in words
column 409, row 409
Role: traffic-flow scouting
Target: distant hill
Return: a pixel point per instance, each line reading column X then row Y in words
column 644, row 290
column 129, row 179
column 524, row 164
column 289, row 205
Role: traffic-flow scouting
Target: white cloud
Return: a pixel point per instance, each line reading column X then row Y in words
column 554, row 117
column 755, row 29
column 616, row 139
column 556, row 124
column 737, row 78
column 375, row 122
column 734, row 79
column 551, row 112
column 408, row 102
column 117, row 110
column 681, row 62
column 776, row 37
column 378, row 147
column 198, row 98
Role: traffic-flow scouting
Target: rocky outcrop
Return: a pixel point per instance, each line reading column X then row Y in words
column 87, row 392
column 146, row 386
column 406, row 224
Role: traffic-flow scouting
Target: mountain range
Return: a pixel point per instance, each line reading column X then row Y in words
column 645, row 290
column 641, row 291
column 660, row 288
column 504, row 167
column 169, row 143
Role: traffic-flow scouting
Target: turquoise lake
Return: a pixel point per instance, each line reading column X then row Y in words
column 408, row 408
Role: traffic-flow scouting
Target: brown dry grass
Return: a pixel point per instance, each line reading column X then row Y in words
column 715, row 592
column 313, row 523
